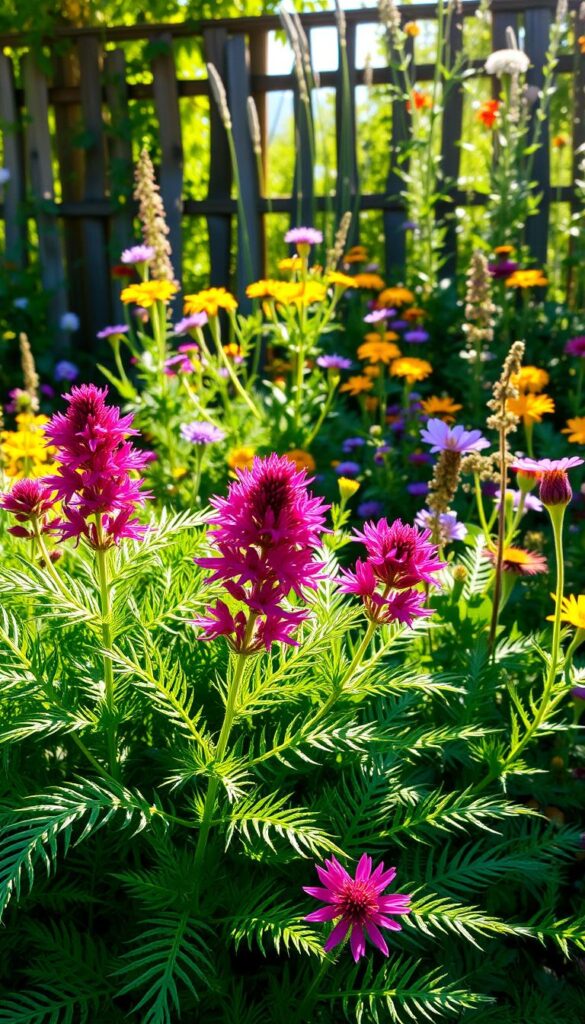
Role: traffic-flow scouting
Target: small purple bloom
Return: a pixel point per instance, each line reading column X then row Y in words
column 381, row 451
column 21, row 303
column 351, row 443
column 449, row 528
column 442, row 437
column 200, row 432
column 398, row 325
column 334, row 362
column 304, row 236
column 409, row 225
column 531, row 502
column 419, row 488
column 348, row 469
column 110, row 332
column 64, row 370
column 47, row 391
column 137, row 254
column 547, row 465
column 420, row 458
column 578, row 692
column 503, row 268
column 189, row 323
column 576, row 346
column 370, row 509
column 417, row 336
column 377, row 315
column 69, row 322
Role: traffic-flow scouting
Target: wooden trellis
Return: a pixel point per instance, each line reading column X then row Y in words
column 80, row 234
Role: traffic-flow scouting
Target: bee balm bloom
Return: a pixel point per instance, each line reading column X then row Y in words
column 358, row 903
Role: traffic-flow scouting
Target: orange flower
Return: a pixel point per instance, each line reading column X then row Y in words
column 531, row 407
column 530, row 378
column 412, row 29
column 357, row 254
column 488, row 113
column 420, row 100
column 241, row 458
column 520, row 562
column 372, row 371
column 576, row 430
column 371, row 282
column 395, row 296
column 581, row 43
column 301, row 459
column 355, row 385
column 412, row 369
column 443, row 408
column 413, row 314
column 378, row 351
column 375, row 336
column 371, row 403
column 560, row 141
column 504, row 250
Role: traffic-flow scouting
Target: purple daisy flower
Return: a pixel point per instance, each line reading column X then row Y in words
column 66, row 371
column 370, row 509
column 547, row 465
column 442, row 437
column 449, row 527
column 418, row 488
column 189, row 323
column 304, row 236
column 417, row 336
column 531, row 502
column 137, row 254
column 351, row 444
column 110, row 332
column 334, row 362
column 576, row 346
column 377, row 315
column 201, row 433
column 348, row 469
column 398, row 325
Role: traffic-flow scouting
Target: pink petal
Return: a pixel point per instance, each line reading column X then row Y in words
column 319, row 894
column 377, row 937
column 323, row 914
column 338, row 934
column 357, row 942
column 385, row 879
column 396, row 903
column 386, row 922
column 364, row 868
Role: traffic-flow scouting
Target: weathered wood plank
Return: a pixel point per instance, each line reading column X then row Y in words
column 71, row 167
column 249, row 256
column 121, row 229
column 38, row 149
column 537, row 33
column 219, row 225
column 166, row 101
column 347, row 167
column 452, row 130
column 96, row 279
column 394, row 235
column 15, row 190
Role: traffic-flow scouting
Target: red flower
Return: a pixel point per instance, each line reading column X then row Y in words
column 488, row 113
column 420, row 100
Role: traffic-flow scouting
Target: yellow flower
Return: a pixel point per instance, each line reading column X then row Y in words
column 178, row 472
column 531, row 407
column 377, row 337
column 530, row 378
column 371, row 282
column 412, row 369
column 526, row 279
column 262, row 289
column 572, row 610
column 25, row 453
column 443, row 408
column 299, row 293
column 290, row 263
column 209, row 301
column 233, row 351
column 301, row 459
column 9, row 335
column 340, row 280
column 576, row 430
column 378, row 351
column 412, row 29
column 31, row 421
column 347, row 488
column 357, row 254
column 395, row 296
column 146, row 293
column 241, row 458
column 355, row 385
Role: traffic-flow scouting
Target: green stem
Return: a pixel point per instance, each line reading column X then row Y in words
column 48, row 565
column 480, row 509
column 106, row 609
column 324, row 413
column 517, row 517
column 214, row 325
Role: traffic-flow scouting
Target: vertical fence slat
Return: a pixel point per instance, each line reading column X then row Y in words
column 452, row 128
column 219, row 225
column 166, row 102
column 38, row 148
column 259, row 66
column 120, row 163
column 347, row 169
column 249, row 258
column 96, row 277
column 537, row 32
column 71, row 167
column 394, row 235
column 303, row 178
column 14, row 190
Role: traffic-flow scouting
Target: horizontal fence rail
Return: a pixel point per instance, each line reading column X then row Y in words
column 81, row 232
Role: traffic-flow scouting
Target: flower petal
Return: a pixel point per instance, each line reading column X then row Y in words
column 377, row 937
column 338, row 934
column 357, row 942
column 323, row 914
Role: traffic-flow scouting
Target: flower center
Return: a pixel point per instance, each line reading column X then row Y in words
column 358, row 901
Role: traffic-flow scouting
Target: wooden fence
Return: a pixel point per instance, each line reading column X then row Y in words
column 79, row 233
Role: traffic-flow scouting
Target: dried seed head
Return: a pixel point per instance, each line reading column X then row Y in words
column 254, row 125
column 151, row 214
column 334, row 255
column 29, row 371
column 219, row 94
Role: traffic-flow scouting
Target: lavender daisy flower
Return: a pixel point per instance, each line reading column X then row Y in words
column 418, row 489
column 416, row 336
column 334, row 362
column 377, row 315
column 64, row 370
column 531, row 502
column 442, row 437
column 348, row 469
column 69, row 322
column 303, row 236
column 137, row 254
column 201, row 433
column 110, row 332
column 351, row 443
column 398, row 325
column 370, row 509
column 449, row 528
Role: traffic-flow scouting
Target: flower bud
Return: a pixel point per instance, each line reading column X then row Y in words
column 555, row 488
column 347, row 488
column 527, row 480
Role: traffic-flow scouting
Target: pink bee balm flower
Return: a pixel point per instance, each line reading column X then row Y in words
column 442, row 437
column 358, row 903
column 93, row 483
column 265, row 531
column 28, row 501
column 304, row 236
column 576, row 346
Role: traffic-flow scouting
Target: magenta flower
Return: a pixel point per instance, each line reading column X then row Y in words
column 201, row 433
column 358, row 903
column 113, row 331
column 190, row 323
column 378, row 315
column 334, row 362
column 98, row 495
column 304, row 236
column 137, row 254
column 442, row 437
column 265, row 531
column 576, row 346
column 27, row 501
column 182, row 361
column 502, row 268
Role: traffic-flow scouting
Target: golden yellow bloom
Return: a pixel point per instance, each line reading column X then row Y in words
column 9, row 335
column 530, row 378
column 299, row 293
column 531, row 408
column 526, row 279
column 396, row 296
column 242, row 457
column 572, row 610
column 347, row 488
column 290, row 263
column 412, row 369
column 372, row 371
column 376, row 336
column 504, row 250
column 576, row 430
column 178, row 472
column 340, row 280
column 262, row 289
column 414, row 314
column 581, row 43
column 32, row 421
column 357, row 254
column 301, row 459
column 443, row 408
column 233, row 351
column 146, row 293
column 378, row 351
column 371, row 403
column 412, row 29
column 355, row 385
column 371, row 282
column 209, row 301
column 25, row 452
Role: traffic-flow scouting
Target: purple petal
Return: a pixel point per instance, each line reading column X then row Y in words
column 377, row 937
column 319, row 894
column 357, row 942
column 338, row 934
column 323, row 914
